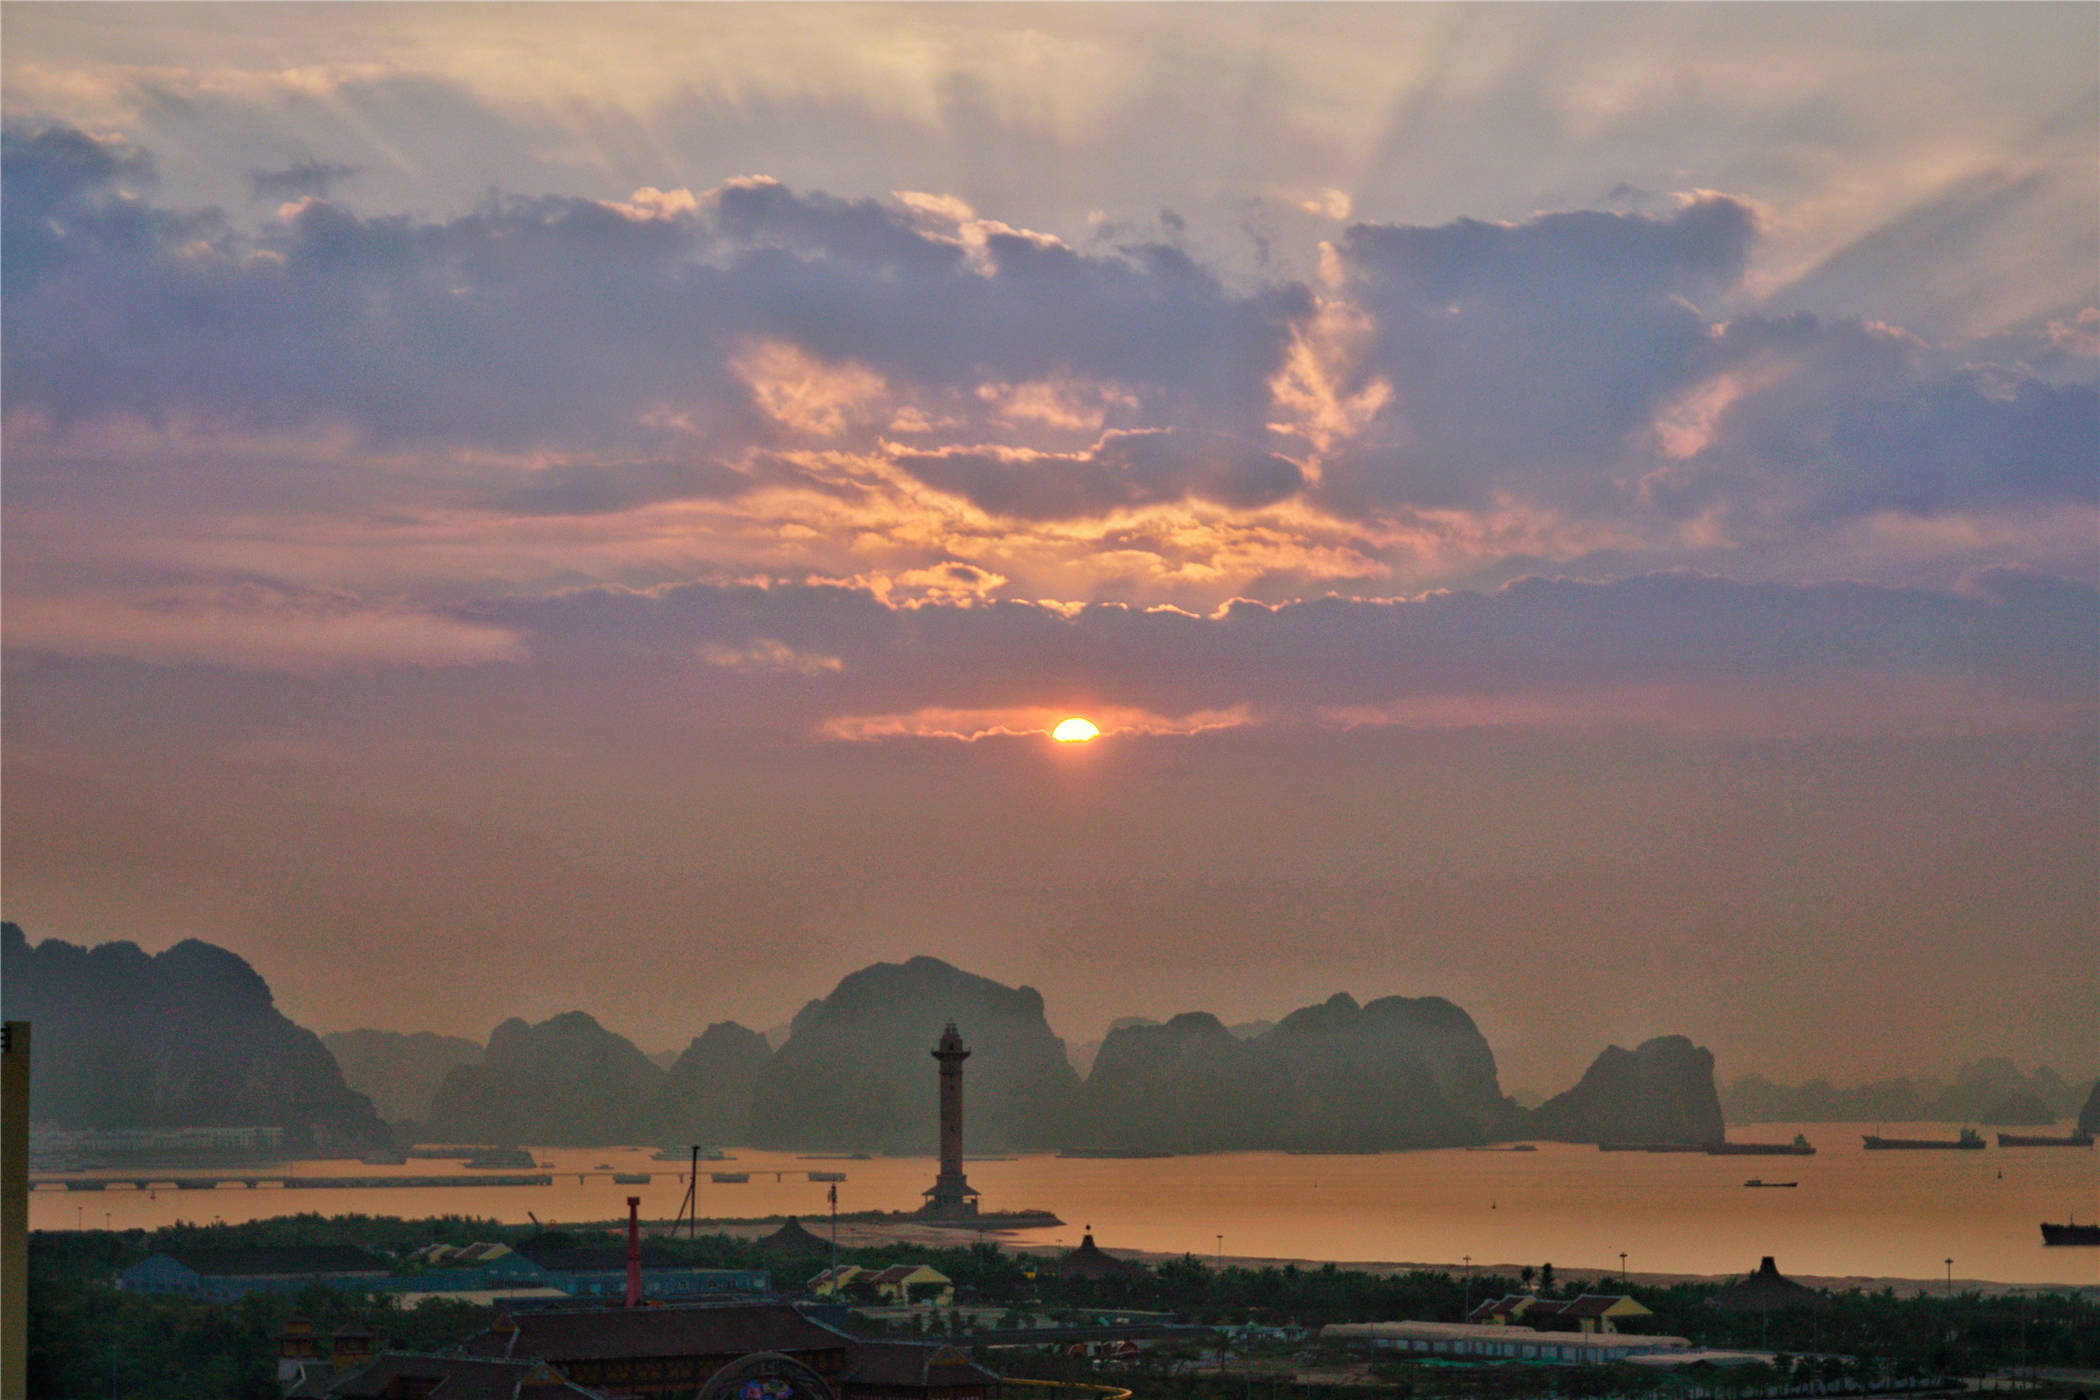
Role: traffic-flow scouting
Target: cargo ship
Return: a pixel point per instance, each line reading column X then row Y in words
column 731, row 1178
column 500, row 1159
column 2071, row 1139
column 2073, row 1233
column 1654, row 1147
column 1969, row 1141
column 1799, row 1147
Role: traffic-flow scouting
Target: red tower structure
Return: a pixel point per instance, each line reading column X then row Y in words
column 951, row 1196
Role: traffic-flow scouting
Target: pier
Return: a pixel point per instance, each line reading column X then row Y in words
column 277, row 1181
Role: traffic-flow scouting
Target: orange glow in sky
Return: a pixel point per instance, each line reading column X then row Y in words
column 1074, row 731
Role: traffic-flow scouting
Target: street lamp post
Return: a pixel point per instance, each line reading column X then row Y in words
column 1950, row 1279
column 1469, row 1286
column 1622, row 1270
column 1221, row 1254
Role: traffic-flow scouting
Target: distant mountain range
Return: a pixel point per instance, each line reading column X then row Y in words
column 184, row 1038
column 1334, row 1077
column 1661, row 1092
column 191, row 1037
column 399, row 1073
column 1990, row 1091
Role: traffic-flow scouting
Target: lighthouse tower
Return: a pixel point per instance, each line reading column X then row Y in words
column 951, row 1196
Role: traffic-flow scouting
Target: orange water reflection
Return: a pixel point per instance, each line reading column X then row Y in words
column 1854, row 1214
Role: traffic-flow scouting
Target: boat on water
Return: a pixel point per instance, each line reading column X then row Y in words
column 1654, row 1147
column 1799, row 1147
column 2073, row 1233
column 1116, row 1153
column 1969, row 1141
column 682, row 1154
column 1769, row 1185
column 2070, row 1139
column 731, row 1178
column 500, row 1159
column 827, row 1176
column 1512, row 1147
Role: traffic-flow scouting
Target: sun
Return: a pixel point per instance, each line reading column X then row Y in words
column 1074, row 731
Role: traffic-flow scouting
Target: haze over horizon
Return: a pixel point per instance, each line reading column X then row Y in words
column 1588, row 512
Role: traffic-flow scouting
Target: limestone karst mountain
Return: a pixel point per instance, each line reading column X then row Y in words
column 705, row 1096
column 1660, row 1092
column 856, row 1072
column 1395, row 1072
column 400, row 1073
column 564, row 1082
column 189, row 1037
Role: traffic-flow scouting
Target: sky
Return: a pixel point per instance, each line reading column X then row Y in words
column 1585, row 510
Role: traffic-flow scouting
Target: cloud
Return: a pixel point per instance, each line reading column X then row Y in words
column 252, row 626
column 308, row 178
column 1678, row 653
column 766, row 655
column 1122, row 470
column 1027, row 722
column 725, row 374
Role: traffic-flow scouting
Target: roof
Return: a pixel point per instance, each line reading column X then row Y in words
column 914, row 1364
column 1509, row 1305
column 596, row 1259
column 589, row 1334
column 1765, row 1290
column 1089, row 1261
column 1603, row 1305
column 273, row 1260
column 908, row 1273
column 794, row 1238
column 458, row 1378
column 1471, row 1332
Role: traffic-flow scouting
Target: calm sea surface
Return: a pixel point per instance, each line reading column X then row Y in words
column 1854, row 1213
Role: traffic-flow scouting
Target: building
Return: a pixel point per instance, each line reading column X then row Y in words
column 951, row 1197
column 913, row 1283
column 398, row 1375
column 601, row 1272
column 1592, row 1312
column 1090, row 1262
column 668, row 1350
column 833, row 1282
column 223, row 1275
column 14, row 1209
column 1766, row 1291
column 916, row 1371
column 1496, row 1341
column 673, row 1351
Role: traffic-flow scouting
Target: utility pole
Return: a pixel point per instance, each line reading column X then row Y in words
column 691, row 1204
column 835, row 1291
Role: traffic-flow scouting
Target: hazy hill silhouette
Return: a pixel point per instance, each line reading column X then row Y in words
column 705, row 1096
column 1396, row 1072
column 857, row 1072
column 399, row 1073
column 1991, row 1090
column 564, row 1082
column 187, row 1037
column 1661, row 1092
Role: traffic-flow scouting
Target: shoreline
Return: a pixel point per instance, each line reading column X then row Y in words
column 863, row 1234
